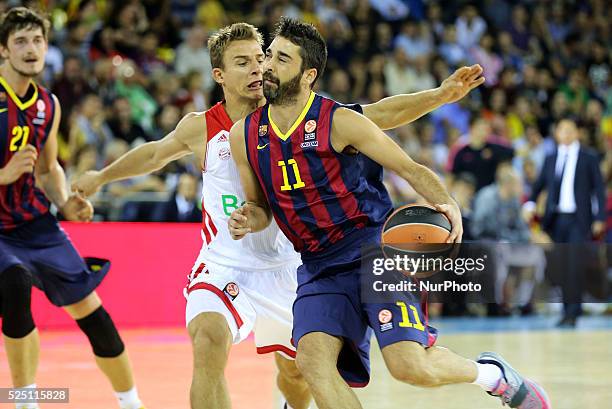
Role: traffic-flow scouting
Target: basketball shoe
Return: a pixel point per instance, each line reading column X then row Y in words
column 514, row 390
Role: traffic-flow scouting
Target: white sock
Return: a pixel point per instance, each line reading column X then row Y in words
column 27, row 405
column 129, row 399
column 488, row 377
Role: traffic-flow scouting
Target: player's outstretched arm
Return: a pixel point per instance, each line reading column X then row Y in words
column 148, row 157
column 398, row 110
column 255, row 215
column 52, row 179
column 352, row 129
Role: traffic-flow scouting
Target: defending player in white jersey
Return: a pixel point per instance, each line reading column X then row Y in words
column 237, row 287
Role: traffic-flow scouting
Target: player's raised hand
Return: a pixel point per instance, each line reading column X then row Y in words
column 77, row 209
column 88, row 183
column 22, row 162
column 238, row 222
column 454, row 215
column 461, row 82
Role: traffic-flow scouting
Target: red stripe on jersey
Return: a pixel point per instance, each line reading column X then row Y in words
column 5, row 221
column 210, row 223
column 252, row 136
column 15, row 187
column 208, row 226
column 220, row 294
column 333, row 169
column 317, row 206
column 286, row 203
column 5, row 210
column 198, row 271
column 38, row 205
column 204, row 227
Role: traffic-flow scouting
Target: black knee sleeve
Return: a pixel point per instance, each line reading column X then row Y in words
column 102, row 334
column 15, row 302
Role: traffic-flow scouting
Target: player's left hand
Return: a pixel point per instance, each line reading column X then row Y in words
column 454, row 215
column 238, row 222
column 77, row 209
column 460, row 83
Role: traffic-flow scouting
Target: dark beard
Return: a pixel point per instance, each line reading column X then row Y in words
column 284, row 93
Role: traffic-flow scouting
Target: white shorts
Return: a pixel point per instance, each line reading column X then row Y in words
column 261, row 302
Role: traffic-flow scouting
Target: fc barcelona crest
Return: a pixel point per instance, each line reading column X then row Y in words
column 263, row 129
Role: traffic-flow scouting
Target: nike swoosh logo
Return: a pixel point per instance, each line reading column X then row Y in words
column 3, row 110
column 262, row 147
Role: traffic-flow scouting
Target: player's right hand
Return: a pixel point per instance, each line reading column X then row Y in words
column 238, row 223
column 22, row 162
column 87, row 184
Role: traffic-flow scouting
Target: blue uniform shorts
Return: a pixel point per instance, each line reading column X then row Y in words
column 329, row 301
column 42, row 247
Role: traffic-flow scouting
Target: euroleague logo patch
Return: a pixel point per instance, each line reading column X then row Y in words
column 385, row 317
column 232, row 290
column 310, row 135
column 310, row 126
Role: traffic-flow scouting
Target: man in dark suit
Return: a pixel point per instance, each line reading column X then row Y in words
column 572, row 178
column 182, row 205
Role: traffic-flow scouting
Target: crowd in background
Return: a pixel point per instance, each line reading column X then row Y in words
column 126, row 71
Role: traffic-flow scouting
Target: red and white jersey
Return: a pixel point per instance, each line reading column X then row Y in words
column 222, row 194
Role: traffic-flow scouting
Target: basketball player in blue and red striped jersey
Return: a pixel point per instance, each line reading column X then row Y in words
column 34, row 250
column 239, row 287
column 301, row 159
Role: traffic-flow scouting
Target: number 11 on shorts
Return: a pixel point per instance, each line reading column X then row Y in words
column 406, row 317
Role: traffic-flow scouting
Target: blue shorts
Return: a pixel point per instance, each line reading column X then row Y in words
column 329, row 301
column 42, row 247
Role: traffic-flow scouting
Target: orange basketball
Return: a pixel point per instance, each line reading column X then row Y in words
column 417, row 231
column 416, row 223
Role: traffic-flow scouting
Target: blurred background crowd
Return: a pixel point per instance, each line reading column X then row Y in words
column 127, row 71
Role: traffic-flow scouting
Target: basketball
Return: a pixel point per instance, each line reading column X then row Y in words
column 416, row 223
column 417, row 231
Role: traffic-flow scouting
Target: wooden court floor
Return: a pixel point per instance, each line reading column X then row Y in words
column 574, row 366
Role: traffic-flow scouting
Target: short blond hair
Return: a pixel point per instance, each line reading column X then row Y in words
column 220, row 40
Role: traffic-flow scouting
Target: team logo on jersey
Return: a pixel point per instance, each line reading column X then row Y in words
column 385, row 317
column 225, row 153
column 310, row 126
column 2, row 96
column 263, row 129
column 232, row 290
column 222, row 138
